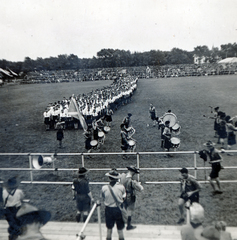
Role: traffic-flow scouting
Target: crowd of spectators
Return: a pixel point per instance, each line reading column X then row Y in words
column 165, row 71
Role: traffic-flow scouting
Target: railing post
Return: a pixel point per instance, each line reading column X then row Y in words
column 31, row 172
column 138, row 166
column 195, row 165
column 82, row 160
column 99, row 217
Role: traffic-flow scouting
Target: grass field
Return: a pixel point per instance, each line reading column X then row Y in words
column 22, row 131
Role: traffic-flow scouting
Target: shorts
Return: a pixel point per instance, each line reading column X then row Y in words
column 153, row 116
column 124, row 147
column 113, row 215
column 83, row 203
column 192, row 198
column 231, row 138
column 215, row 171
column 129, row 205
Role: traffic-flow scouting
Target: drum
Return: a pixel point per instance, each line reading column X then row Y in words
column 94, row 144
column 132, row 144
column 101, row 136
column 106, row 129
column 171, row 118
column 131, row 131
column 175, row 142
column 176, row 129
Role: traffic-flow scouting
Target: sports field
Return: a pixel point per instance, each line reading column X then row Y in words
column 22, row 131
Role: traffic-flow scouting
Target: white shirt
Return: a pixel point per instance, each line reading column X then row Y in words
column 13, row 200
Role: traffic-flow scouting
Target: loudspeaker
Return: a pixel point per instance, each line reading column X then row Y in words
column 39, row 161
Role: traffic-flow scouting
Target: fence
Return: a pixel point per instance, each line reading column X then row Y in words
column 31, row 169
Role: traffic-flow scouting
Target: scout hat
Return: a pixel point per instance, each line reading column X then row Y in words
column 28, row 214
column 113, row 174
column 83, row 171
column 133, row 168
column 12, row 183
column 209, row 144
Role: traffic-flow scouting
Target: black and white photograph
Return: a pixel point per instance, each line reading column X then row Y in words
column 118, row 120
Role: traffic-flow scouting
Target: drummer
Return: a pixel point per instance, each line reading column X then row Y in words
column 88, row 138
column 124, row 139
column 167, row 136
column 108, row 116
column 127, row 120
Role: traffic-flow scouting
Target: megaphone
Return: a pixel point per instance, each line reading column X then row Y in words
column 39, row 161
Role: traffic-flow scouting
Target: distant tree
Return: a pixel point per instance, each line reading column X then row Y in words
column 178, row 56
column 228, row 50
column 28, row 65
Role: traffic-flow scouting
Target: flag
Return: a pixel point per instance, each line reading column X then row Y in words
column 74, row 111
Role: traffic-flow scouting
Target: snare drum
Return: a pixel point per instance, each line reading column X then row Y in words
column 175, row 142
column 94, row 144
column 176, row 129
column 106, row 129
column 101, row 136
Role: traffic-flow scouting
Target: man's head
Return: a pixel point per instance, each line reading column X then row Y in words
column 113, row 175
column 184, row 172
column 133, row 169
column 82, row 172
column 209, row 144
column 11, row 184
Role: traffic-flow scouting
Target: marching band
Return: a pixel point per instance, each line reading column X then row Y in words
column 97, row 108
column 92, row 106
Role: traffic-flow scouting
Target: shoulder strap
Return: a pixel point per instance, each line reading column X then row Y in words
column 113, row 195
column 8, row 197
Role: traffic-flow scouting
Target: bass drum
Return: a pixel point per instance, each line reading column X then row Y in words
column 171, row 118
column 175, row 142
column 132, row 145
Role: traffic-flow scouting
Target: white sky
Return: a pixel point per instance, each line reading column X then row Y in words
column 44, row 28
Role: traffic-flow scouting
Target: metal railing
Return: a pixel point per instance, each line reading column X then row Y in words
column 31, row 169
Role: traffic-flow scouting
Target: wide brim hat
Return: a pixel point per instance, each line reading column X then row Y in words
column 83, row 171
column 12, row 183
column 28, row 213
column 133, row 169
column 209, row 144
column 113, row 174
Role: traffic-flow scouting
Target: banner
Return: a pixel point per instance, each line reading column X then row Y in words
column 75, row 112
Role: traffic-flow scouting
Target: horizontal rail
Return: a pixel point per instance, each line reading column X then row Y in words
column 110, row 153
column 105, row 153
column 105, row 183
column 31, row 169
column 107, row 169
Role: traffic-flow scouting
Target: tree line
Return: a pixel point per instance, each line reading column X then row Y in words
column 109, row 58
